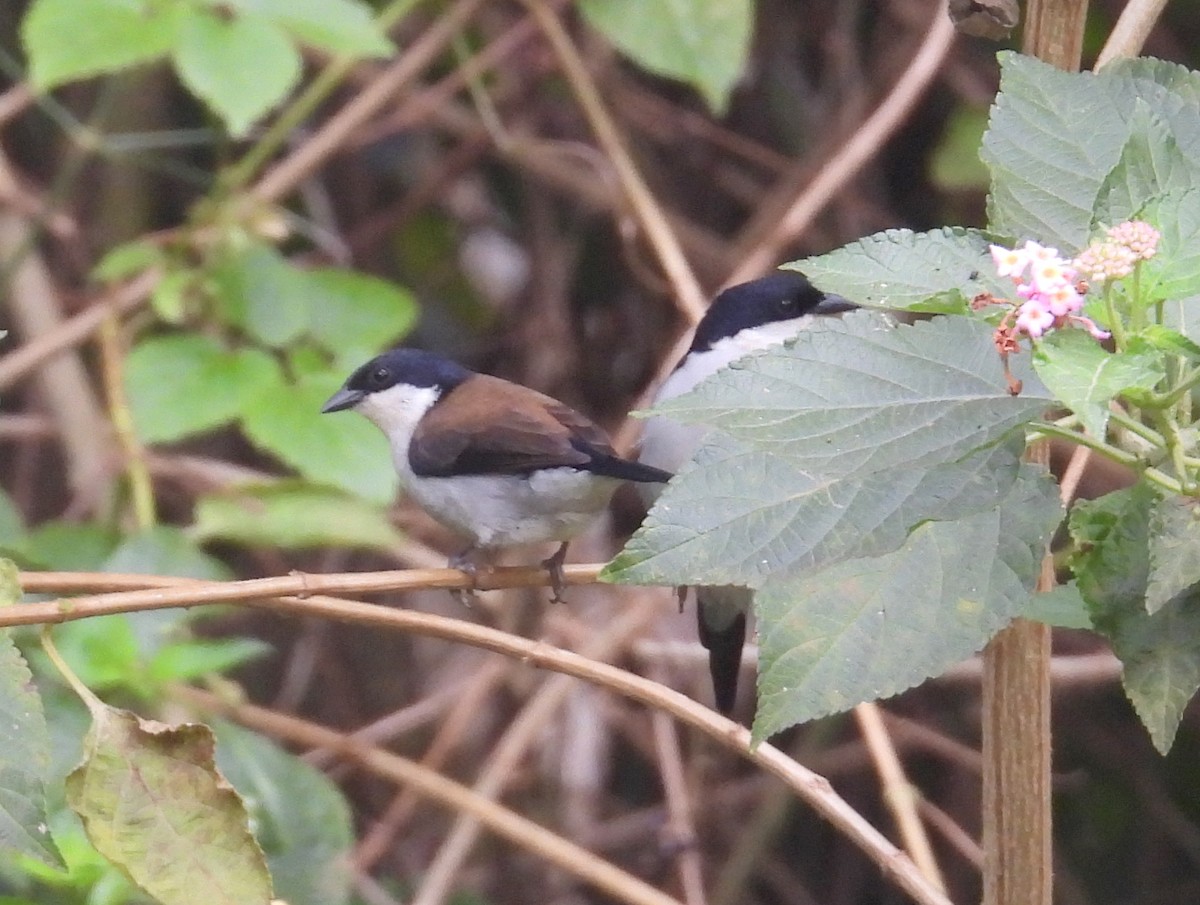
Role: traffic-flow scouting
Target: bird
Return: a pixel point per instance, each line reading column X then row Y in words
column 742, row 319
column 498, row 463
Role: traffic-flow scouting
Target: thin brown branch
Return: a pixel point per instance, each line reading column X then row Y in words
column 898, row 793
column 756, row 258
column 689, row 296
column 811, row 788
column 512, row 826
column 1137, row 20
column 681, row 822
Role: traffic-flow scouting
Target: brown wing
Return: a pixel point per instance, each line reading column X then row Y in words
column 497, row 427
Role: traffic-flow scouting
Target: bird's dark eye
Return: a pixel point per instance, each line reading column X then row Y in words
column 380, row 376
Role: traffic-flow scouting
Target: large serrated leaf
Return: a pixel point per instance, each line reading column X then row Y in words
column 1174, row 550
column 241, row 66
column 1173, row 273
column 1086, row 376
column 739, row 515
column 304, row 822
column 869, row 628
column 24, row 759
column 1151, row 164
column 938, row 271
column 701, row 42
column 1160, row 651
column 858, row 395
column 1051, row 143
column 153, row 802
column 64, row 45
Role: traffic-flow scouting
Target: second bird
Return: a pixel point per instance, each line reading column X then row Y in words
column 742, row 319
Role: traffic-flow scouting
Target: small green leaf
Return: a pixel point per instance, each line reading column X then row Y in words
column 153, row 802
column 1173, row 273
column 12, row 525
column 241, row 66
column 1061, row 607
column 341, row 450
column 65, row 43
column 869, row 628
column 353, row 314
column 1174, row 550
column 1159, row 337
column 1086, row 376
column 185, row 384
column 186, row 661
column 303, row 821
column 66, row 547
column 293, row 516
column 701, row 42
column 261, row 292
column 128, row 259
column 24, row 760
column 338, row 26
column 938, row 271
column 103, row 651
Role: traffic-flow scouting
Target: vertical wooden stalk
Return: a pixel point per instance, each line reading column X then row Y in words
column 1016, row 673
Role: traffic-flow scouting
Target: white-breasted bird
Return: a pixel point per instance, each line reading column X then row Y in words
column 496, row 462
column 742, row 319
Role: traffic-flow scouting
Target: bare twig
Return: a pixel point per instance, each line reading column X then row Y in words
column 681, row 822
column 690, row 298
column 1138, row 19
column 898, row 794
column 811, row 788
column 851, row 157
column 499, row 819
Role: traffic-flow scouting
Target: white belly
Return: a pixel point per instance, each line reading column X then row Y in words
column 508, row 510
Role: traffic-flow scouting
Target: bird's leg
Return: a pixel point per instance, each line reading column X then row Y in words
column 462, row 561
column 681, row 595
column 554, row 565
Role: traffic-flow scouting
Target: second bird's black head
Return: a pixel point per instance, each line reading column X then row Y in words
column 782, row 296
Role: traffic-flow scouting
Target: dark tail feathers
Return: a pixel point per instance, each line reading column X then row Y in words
column 724, row 658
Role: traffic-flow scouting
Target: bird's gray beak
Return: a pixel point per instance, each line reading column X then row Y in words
column 345, row 398
column 834, row 304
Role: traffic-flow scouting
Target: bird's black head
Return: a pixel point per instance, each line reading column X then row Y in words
column 410, row 367
column 782, row 296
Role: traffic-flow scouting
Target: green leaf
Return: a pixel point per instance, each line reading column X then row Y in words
column 1159, row 337
column 184, row 384
column 1151, row 164
column 102, row 651
column 293, row 516
column 355, row 315
column 339, row 26
column 1062, row 607
column 303, row 822
column 12, row 525
column 65, row 547
column 65, row 43
column 128, row 259
column 261, row 292
column 938, row 271
column 1160, row 651
column 858, row 394
column 1053, row 138
column 153, row 802
column 1086, row 376
column 701, row 42
column 869, row 628
column 1174, row 272
column 24, row 760
column 186, row 661
column 1174, row 550
column 165, row 550
column 240, row 66
column 345, row 451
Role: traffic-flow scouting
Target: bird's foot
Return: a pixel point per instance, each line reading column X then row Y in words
column 554, row 565
column 681, row 595
column 462, row 561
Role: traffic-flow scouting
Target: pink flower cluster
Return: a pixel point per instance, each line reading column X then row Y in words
column 1118, row 253
column 1047, row 283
